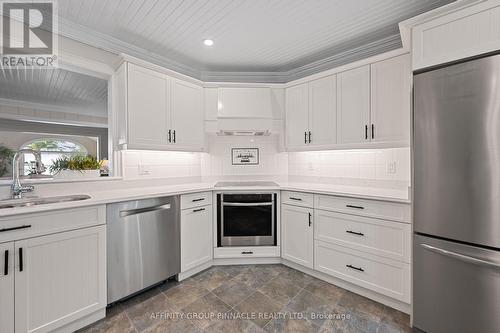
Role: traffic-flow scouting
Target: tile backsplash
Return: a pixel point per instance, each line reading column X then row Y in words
column 374, row 164
column 139, row 164
column 218, row 162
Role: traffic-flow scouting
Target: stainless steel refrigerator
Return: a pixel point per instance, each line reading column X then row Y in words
column 456, row 179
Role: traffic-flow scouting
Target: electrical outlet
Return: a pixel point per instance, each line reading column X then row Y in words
column 391, row 167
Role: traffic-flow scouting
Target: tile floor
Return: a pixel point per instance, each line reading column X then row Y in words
column 253, row 298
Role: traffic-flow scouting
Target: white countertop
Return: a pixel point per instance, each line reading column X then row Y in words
column 126, row 194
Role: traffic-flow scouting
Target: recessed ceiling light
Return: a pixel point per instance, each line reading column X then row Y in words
column 208, row 42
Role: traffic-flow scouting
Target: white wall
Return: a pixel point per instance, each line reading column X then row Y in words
column 373, row 164
column 217, row 162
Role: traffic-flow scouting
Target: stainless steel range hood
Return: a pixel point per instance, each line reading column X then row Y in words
column 244, row 111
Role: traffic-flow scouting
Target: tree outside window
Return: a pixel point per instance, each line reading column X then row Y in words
column 50, row 150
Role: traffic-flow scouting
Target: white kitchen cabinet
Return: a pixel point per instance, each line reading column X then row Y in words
column 311, row 117
column 390, row 100
column 7, row 287
column 382, row 275
column 59, row 278
column 297, row 115
column 196, row 237
column 187, row 119
column 353, row 106
column 297, row 234
column 147, row 107
column 157, row 112
column 470, row 31
column 323, row 111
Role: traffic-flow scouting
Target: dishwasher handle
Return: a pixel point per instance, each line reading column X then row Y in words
column 130, row 212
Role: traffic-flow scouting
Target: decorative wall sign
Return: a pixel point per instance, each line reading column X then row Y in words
column 245, row 156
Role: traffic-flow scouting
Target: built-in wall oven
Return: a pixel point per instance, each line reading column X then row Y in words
column 246, row 219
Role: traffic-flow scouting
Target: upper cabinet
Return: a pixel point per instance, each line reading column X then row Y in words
column 368, row 106
column 460, row 34
column 353, row 105
column 187, row 115
column 156, row 111
column 297, row 115
column 311, row 118
column 390, row 100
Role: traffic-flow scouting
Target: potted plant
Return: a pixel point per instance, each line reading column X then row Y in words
column 77, row 166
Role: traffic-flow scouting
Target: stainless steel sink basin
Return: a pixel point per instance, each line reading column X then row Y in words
column 13, row 203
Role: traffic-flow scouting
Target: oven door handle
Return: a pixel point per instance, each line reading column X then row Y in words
column 247, row 204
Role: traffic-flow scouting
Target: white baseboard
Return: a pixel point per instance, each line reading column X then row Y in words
column 398, row 305
column 82, row 322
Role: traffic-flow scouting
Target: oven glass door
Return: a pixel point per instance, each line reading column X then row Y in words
column 247, row 219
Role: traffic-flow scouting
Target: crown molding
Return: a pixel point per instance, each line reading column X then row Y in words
column 105, row 42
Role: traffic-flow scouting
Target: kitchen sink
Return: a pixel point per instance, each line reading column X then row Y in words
column 27, row 202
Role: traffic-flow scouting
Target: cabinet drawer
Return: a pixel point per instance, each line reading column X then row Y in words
column 196, row 200
column 297, row 198
column 373, row 208
column 387, row 277
column 247, row 252
column 383, row 238
column 38, row 224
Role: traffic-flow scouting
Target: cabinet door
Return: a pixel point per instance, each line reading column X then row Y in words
column 297, row 115
column 323, row 111
column 196, row 237
column 390, row 99
column 353, row 105
column 147, row 108
column 59, row 278
column 187, row 116
column 297, row 233
column 7, row 287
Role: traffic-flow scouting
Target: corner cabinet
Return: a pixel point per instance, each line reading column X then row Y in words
column 297, row 234
column 311, row 118
column 364, row 107
column 157, row 112
column 196, row 233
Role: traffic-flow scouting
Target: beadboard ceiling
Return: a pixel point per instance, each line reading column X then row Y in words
column 59, row 88
column 255, row 40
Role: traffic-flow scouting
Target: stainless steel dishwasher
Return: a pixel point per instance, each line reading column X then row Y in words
column 143, row 243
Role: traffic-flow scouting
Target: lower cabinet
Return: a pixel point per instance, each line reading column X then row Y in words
column 7, row 287
column 297, row 234
column 196, row 237
column 385, row 276
column 53, row 280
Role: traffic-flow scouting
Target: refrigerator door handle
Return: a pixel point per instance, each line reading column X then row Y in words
column 460, row 256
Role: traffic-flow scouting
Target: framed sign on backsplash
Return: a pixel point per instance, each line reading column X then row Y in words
column 245, row 156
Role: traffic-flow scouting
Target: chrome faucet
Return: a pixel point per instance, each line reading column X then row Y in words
column 17, row 188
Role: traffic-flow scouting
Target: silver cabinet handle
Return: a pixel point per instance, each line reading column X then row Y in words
column 199, row 199
column 247, row 204
column 460, row 256
column 130, row 212
column 198, row 210
column 295, row 199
